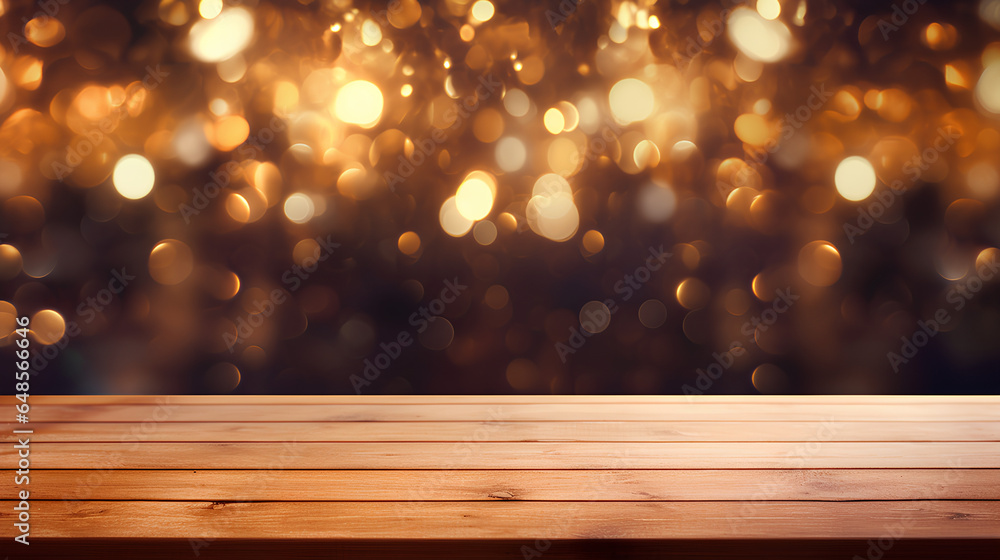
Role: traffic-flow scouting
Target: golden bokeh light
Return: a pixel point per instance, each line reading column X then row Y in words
column 855, row 178
column 408, row 243
column 474, row 199
column 210, row 9
column 171, row 262
column 819, row 263
column 359, row 102
column 222, row 37
column 133, row 177
column 44, row 31
column 299, row 208
column 452, row 221
column 10, row 262
column 485, row 232
column 761, row 39
column 482, row 10
column 592, row 242
column 554, row 121
column 692, row 293
column 631, row 100
column 48, row 326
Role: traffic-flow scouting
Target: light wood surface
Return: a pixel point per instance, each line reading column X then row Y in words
column 488, row 476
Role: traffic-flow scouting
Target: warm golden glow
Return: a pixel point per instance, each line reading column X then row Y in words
column 133, row 176
column 474, row 199
column 631, row 100
column 171, row 262
column 210, row 9
column 855, row 178
column 819, row 263
column 452, row 221
column 482, row 10
column 408, row 243
column 223, row 37
column 554, row 121
column 48, row 326
column 758, row 38
column 359, row 102
column 299, row 208
column 44, row 31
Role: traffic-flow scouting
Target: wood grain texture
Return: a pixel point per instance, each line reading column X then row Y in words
column 508, row 520
column 492, row 485
column 721, row 431
column 541, row 455
column 486, row 476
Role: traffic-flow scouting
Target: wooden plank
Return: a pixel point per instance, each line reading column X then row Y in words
column 285, row 400
column 598, row 411
column 490, row 455
column 478, row 485
column 506, row 431
column 508, row 520
column 510, row 549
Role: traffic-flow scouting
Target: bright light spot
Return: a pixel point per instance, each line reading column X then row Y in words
column 656, row 202
column 516, row 102
column 474, row 199
column 762, row 106
column 238, row 208
column 554, row 121
column 553, row 217
column 654, row 22
column 218, row 107
column 551, row 184
column 855, row 178
column 482, row 10
column 371, row 33
column 299, row 208
column 631, row 100
column 223, row 37
column 988, row 88
column 406, row 90
column 769, row 9
column 209, row 9
column 511, row 154
column 359, row 102
column 133, row 176
column 758, row 38
column 452, row 221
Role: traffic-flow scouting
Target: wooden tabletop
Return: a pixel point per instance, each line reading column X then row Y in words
column 512, row 477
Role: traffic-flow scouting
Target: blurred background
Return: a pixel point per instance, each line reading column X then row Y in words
column 494, row 196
